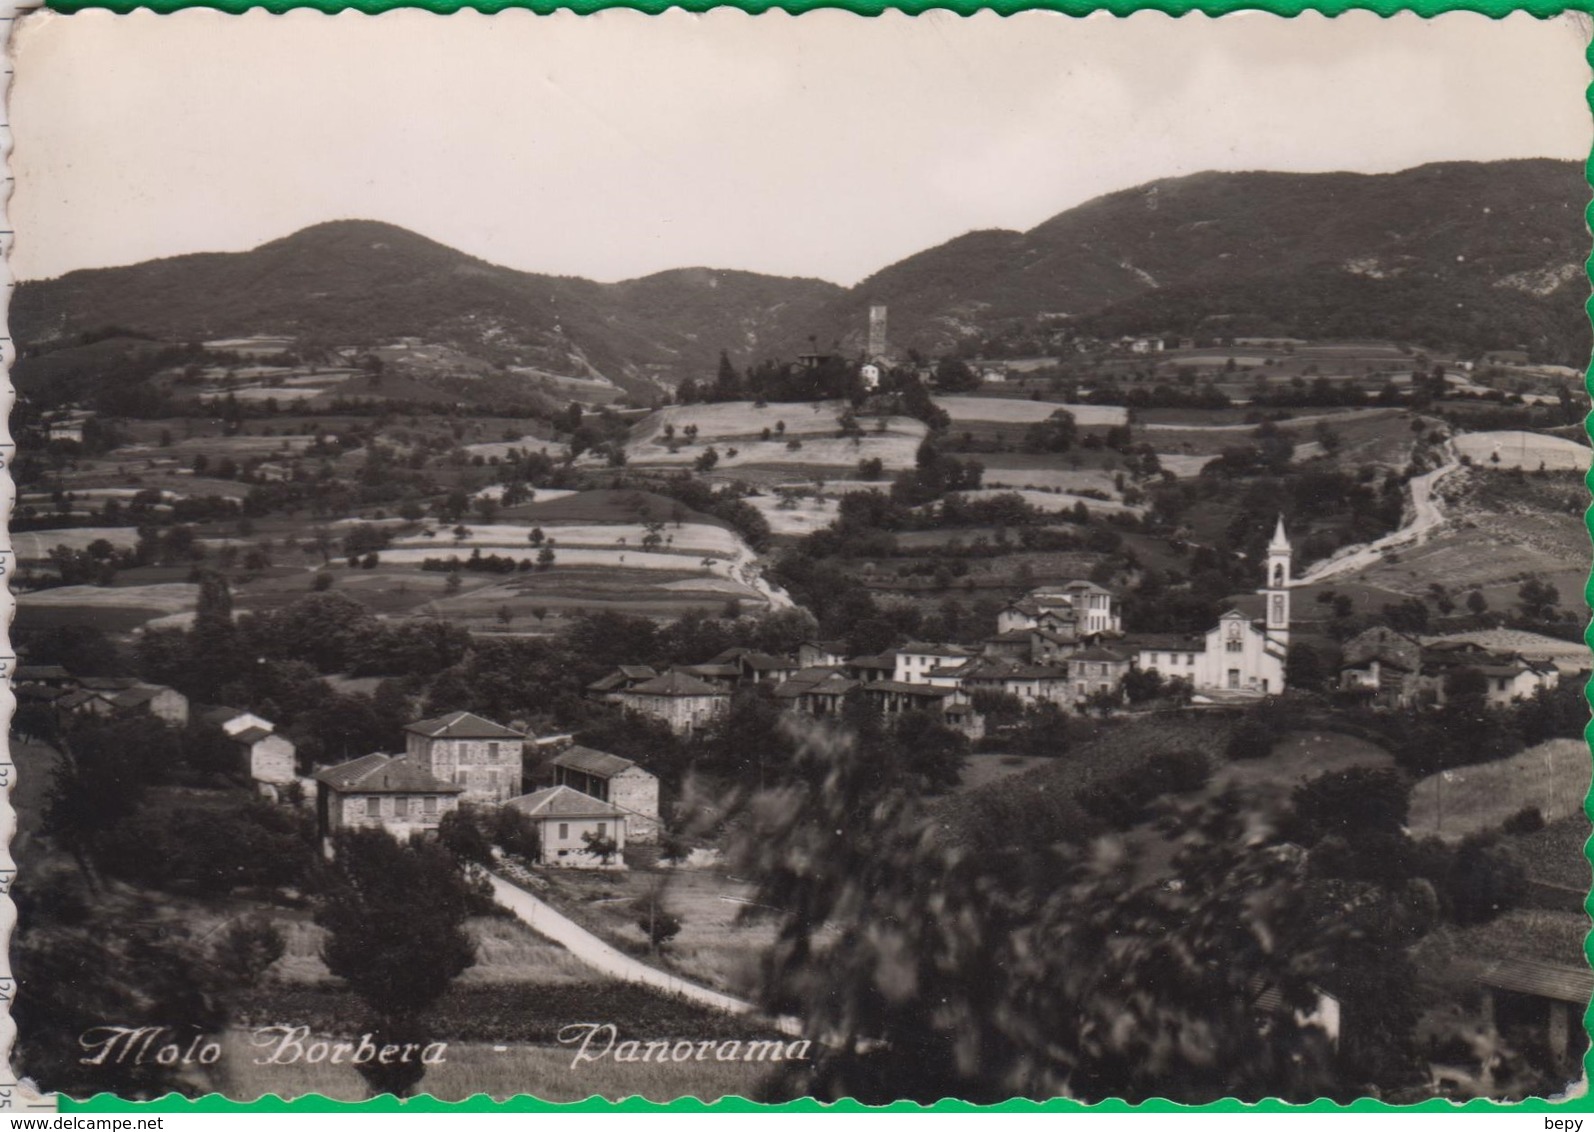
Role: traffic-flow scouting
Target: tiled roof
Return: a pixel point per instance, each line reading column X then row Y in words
column 142, row 694
column 620, row 677
column 221, row 715
column 674, row 684
column 638, row 671
column 383, row 774
column 563, row 802
column 1171, row 642
column 1100, row 652
column 589, row 761
column 928, row 648
column 764, row 662
column 930, row 691
column 883, row 662
column 42, row 672
column 1555, row 981
column 249, row 736
column 462, row 725
column 107, row 683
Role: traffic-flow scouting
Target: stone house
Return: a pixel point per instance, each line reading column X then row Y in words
column 1382, row 664
column 1031, row 683
column 1097, row 669
column 385, row 791
column 814, row 654
column 620, row 782
column 485, row 759
column 154, row 699
column 567, row 821
column 267, row 756
column 680, row 700
column 820, row 690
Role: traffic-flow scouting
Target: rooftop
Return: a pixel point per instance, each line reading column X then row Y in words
column 588, row 761
column 383, row 774
column 563, row 802
column 674, row 684
column 462, row 725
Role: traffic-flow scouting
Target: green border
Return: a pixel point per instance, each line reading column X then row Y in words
column 215, row 1103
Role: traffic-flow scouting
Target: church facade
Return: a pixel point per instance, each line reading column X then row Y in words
column 1241, row 655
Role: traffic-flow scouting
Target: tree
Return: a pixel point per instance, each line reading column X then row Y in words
column 545, row 558
column 395, row 915
column 954, row 375
column 1538, row 599
column 653, row 918
column 1154, row 969
column 601, row 846
column 1477, row 604
column 706, row 460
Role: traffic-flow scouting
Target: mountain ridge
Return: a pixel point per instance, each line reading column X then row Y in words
column 1472, row 255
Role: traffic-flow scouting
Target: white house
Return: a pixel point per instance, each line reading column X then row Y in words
column 568, row 821
column 917, row 659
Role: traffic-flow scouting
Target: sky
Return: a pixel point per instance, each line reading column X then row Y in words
column 825, row 145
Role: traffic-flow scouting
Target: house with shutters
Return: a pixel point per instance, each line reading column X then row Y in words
column 681, row 700
column 385, row 791
column 567, row 822
column 620, row 782
column 486, row 760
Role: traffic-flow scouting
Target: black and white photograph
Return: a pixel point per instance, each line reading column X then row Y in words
column 799, row 556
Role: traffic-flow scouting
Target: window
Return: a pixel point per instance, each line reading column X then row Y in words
column 564, row 831
column 603, row 829
column 1233, row 644
column 492, row 752
column 459, row 777
column 373, row 807
column 492, row 780
column 401, row 807
column 429, row 804
column 1189, row 658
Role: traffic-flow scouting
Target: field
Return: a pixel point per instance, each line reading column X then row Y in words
column 499, row 1071
column 739, row 425
column 1527, row 450
column 35, row 546
column 965, row 410
column 802, row 516
column 110, row 607
column 1044, row 472
column 713, row 948
column 1500, row 530
column 686, row 539
column 1553, row 776
column 1297, row 758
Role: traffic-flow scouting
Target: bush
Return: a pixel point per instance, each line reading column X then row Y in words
column 1529, row 819
column 1121, row 800
column 1484, row 879
column 1350, row 803
column 1251, row 740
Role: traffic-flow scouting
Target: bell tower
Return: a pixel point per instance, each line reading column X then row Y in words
column 1277, row 587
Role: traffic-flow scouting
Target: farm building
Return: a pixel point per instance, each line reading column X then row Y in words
column 234, row 720
column 620, row 782
column 153, row 699
column 679, row 699
column 485, row 759
column 626, row 676
column 386, row 791
column 568, row 821
column 819, row 690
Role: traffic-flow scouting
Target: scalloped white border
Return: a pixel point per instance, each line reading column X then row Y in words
column 14, row 1096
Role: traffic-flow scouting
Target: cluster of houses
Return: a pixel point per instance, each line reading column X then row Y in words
column 595, row 801
column 1394, row 669
column 1061, row 644
column 596, row 804
column 262, row 755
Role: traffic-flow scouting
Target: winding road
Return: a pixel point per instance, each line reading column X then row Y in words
column 543, row 919
column 1426, row 516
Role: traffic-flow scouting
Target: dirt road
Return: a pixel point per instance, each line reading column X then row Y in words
column 1426, row 516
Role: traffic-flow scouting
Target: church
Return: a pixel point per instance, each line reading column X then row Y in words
column 1243, row 655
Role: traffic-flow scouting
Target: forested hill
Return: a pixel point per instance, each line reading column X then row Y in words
column 1471, row 255
column 360, row 282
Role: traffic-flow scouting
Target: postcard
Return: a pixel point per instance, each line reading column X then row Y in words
column 799, row 556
